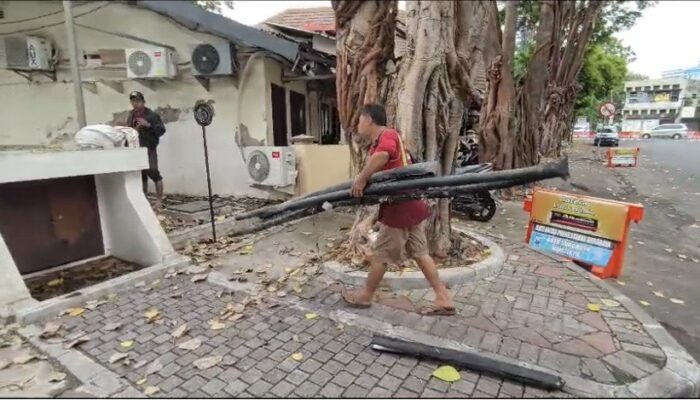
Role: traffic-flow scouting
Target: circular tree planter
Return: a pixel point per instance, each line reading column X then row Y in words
column 453, row 277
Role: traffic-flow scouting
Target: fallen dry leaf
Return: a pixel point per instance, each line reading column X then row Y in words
column 199, row 277
column 593, row 307
column 447, row 373
column 76, row 339
column 155, row 283
column 55, row 282
column 23, row 358
column 117, row 357
column 649, row 283
column 93, row 304
column 216, row 325
column 297, row 356
column 669, row 250
column 311, row 316
column 677, row 301
column 126, row 344
column 644, row 303
column 295, row 338
column 609, row 303
column 621, row 283
column 191, row 344
column 140, row 364
column 112, row 326
column 195, row 270
column 207, row 362
column 75, row 312
column 140, row 284
column 179, row 332
column 154, row 367
column 510, row 298
column 658, row 294
column 57, row 377
column 281, row 293
column 151, row 390
column 50, row 329
column 4, row 364
column 141, row 381
column 682, row 256
column 152, row 314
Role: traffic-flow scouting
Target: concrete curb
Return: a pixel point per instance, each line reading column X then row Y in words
column 48, row 309
column 453, row 277
column 225, row 227
column 97, row 381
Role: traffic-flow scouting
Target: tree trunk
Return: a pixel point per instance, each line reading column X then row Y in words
column 427, row 97
column 566, row 61
column 496, row 130
column 365, row 51
column 530, row 99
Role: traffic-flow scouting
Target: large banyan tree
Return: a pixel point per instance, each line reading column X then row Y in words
column 449, row 46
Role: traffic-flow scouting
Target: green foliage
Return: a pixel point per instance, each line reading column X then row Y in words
column 214, row 5
column 602, row 79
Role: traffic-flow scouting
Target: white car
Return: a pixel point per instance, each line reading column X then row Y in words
column 673, row 131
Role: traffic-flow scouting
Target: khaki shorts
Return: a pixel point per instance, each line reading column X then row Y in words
column 393, row 243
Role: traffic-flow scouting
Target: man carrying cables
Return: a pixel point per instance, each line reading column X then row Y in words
column 402, row 224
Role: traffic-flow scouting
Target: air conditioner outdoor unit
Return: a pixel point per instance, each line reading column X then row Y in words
column 28, row 53
column 270, row 166
column 212, row 59
column 150, row 63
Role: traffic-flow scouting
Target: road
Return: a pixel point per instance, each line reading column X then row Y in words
column 667, row 183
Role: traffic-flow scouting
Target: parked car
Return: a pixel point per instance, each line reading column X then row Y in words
column 607, row 136
column 673, row 131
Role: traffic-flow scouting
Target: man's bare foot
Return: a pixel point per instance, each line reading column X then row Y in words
column 357, row 298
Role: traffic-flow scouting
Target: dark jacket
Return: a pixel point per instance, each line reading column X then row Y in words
column 148, row 137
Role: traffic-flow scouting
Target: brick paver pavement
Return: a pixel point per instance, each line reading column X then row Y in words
column 534, row 310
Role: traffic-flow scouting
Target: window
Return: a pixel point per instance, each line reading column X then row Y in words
column 647, row 88
column 635, row 112
column 657, row 87
column 644, row 112
column 330, row 125
column 297, row 110
column 662, row 111
column 653, row 112
column 667, row 86
column 676, row 86
column 638, row 89
column 672, row 111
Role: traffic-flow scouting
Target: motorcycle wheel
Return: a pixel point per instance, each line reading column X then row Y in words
column 487, row 211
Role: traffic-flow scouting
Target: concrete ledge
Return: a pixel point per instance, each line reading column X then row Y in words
column 97, row 381
column 453, row 277
column 225, row 227
column 44, row 310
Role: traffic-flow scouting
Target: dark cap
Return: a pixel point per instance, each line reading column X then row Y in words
column 136, row 95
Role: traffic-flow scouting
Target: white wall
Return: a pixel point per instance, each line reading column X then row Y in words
column 40, row 112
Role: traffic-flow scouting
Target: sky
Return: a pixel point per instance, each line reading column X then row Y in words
column 664, row 38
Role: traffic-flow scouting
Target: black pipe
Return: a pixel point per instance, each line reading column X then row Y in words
column 287, row 216
column 559, row 169
column 473, row 361
column 420, row 170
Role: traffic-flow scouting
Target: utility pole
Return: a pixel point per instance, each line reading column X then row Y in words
column 74, row 65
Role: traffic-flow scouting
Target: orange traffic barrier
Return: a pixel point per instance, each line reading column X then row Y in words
column 590, row 231
column 623, row 156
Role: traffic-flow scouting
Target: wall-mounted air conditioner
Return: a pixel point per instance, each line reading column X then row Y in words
column 212, row 59
column 150, row 63
column 270, row 165
column 27, row 53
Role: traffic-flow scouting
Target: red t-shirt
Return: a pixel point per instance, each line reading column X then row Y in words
column 404, row 214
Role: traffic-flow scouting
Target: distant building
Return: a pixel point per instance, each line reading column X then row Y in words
column 688, row 73
column 652, row 102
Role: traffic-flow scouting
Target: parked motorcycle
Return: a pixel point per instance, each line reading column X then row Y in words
column 480, row 206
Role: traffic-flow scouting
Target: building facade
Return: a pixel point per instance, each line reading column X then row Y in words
column 688, row 73
column 649, row 103
column 265, row 101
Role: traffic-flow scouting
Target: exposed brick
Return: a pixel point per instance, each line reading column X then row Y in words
column 282, row 389
column 490, row 342
column 597, row 370
column 414, row 384
column 332, row 390
column 489, row 386
column 259, row 389
column 307, row 390
column 377, row 370
column 594, row 320
column 528, row 335
column 343, row 379
column 214, row 386
column 320, row 377
column 379, row 392
column 601, row 341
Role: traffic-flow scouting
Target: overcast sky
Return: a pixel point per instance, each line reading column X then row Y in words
column 665, row 37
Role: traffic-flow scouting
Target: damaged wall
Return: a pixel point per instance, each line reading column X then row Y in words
column 41, row 112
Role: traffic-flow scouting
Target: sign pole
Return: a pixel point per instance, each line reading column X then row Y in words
column 211, row 203
column 203, row 114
